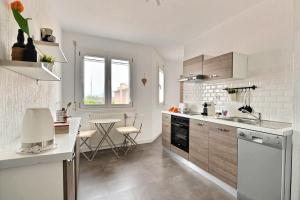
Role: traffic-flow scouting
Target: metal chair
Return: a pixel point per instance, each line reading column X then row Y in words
column 84, row 137
column 131, row 131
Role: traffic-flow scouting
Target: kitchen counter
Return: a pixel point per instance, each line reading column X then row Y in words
column 286, row 129
column 64, row 150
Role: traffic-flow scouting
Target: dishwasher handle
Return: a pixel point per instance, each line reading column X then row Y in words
column 258, row 140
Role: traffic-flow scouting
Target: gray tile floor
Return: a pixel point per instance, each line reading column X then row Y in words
column 148, row 173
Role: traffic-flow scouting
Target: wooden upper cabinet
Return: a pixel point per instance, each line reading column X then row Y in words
column 230, row 65
column 198, row 147
column 193, row 66
column 166, row 130
column 223, row 153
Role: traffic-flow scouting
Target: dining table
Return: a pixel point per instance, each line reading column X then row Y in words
column 104, row 128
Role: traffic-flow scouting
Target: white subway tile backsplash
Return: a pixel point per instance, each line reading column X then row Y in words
column 273, row 97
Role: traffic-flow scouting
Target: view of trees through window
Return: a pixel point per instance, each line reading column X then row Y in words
column 95, row 81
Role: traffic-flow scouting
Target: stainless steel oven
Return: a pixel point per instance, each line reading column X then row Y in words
column 180, row 132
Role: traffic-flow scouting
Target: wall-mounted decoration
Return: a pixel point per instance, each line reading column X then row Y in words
column 47, row 35
column 144, row 80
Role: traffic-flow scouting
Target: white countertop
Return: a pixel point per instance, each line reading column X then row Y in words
column 280, row 131
column 64, row 151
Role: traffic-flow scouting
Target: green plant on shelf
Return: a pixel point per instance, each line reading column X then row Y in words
column 47, row 59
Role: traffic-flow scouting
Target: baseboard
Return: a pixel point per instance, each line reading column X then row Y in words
column 205, row 174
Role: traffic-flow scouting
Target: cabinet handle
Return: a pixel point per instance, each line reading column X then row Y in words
column 223, row 130
column 213, row 75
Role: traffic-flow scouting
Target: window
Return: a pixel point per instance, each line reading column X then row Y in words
column 161, row 86
column 94, row 80
column 120, row 91
column 106, row 82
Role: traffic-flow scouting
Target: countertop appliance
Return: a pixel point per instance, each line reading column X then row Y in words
column 180, row 132
column 264, row 166
column 208, row 109
column 38, row 128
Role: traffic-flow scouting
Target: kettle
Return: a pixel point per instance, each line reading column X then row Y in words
column 38, row 128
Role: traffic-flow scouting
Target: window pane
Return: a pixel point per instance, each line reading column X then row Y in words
column 161, row 82
column 120, row 83
column 94, row 80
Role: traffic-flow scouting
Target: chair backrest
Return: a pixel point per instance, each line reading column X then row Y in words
column 134, row 119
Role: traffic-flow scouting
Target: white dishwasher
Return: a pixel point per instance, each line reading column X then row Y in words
column 264, row 166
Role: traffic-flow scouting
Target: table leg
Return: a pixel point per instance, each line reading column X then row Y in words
column 105, row 134
column 110, row 141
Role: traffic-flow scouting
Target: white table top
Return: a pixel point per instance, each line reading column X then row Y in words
column 104, row 121
column 64, row 151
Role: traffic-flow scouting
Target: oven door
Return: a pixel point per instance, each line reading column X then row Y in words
column 180, row 135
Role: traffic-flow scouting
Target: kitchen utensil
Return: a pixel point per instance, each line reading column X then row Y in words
column 246, row 107
column 61, row 115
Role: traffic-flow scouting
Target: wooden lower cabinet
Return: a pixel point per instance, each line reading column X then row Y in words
column 212, row 147
column 166, row 130
column 71, row 172
column 223, row 153
column 198, row 145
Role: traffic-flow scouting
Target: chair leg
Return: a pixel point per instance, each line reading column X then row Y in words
column 130, row 145
column 133, row 143
column 84, row 142
column 123, row 145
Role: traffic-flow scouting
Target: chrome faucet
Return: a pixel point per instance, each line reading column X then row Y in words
column 253, row 115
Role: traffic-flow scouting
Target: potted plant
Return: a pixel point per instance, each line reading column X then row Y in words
column 232, row 93
column 29, row 53
column 48, row 61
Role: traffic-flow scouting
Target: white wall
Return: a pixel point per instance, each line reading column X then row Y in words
column 296, row 139
column 18, row 92
column 173, row 70
column 144, row 99
column 157, row 62
column 264, row 33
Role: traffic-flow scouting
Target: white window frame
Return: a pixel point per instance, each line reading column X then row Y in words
column 162, row 68
column 107, row 84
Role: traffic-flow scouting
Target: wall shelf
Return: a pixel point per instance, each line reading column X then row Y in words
column 34, row 70
column 51, row 49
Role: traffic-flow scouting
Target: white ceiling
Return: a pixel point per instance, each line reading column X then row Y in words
column 166, row 27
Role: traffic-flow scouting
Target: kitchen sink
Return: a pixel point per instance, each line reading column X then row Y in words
column 241, row 120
